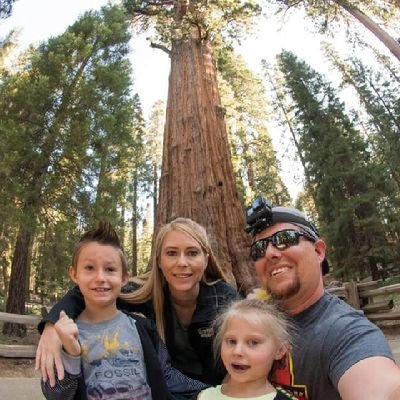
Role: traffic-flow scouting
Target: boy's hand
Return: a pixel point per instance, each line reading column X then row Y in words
column 68, row 331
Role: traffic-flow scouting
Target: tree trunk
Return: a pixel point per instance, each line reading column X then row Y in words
column 134, row 243
column 197, row 176
column 373, row 27
column 4, row 249
column 251, row 178
column 17, row 288
column 155, row 191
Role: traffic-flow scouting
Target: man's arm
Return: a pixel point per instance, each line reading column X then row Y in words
column 370, row 379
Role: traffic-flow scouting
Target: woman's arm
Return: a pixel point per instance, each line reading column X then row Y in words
column 181, row 386
column 48, row 353
column 62, row 390
column 66, row 388
column 72, row 303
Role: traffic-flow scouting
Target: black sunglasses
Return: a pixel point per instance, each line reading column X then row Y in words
column 280, row 240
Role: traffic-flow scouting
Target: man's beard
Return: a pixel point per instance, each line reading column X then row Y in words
column 285, row 293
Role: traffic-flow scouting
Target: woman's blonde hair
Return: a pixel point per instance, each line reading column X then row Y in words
column 258, row 312
column 153, row 287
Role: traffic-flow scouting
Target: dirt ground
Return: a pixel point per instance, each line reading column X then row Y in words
column 25, row 368
column 18, row 367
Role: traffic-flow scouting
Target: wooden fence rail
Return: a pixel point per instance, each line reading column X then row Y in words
column 375, row 301
column 360, row 295
column 17, row 350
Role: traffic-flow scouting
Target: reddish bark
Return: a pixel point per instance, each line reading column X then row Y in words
column 197, row 176
column 17, row 289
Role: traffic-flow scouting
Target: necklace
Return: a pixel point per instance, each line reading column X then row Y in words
column 287, row 394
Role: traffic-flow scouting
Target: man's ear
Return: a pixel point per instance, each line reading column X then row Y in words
column 72, row 273
column 320, row 249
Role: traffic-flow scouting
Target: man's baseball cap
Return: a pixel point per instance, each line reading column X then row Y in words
column 260, row 215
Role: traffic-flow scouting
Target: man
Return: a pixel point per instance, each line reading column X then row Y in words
column 337, row 352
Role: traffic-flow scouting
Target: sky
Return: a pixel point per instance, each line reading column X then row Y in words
column 39, row 19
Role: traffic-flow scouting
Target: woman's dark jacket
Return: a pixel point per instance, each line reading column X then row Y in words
column 211, row 299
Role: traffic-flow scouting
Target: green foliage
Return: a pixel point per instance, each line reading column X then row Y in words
column 6, row 8
column 346, row 184
column 378, row 90
column 153, row 153
column 380, row 117
column 327, row 14
column 221, row 20
column 71, row 135
column 144, row 246
column 254, row 159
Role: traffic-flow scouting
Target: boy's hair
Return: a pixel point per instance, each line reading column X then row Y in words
column 105, row 235
column 259, row 312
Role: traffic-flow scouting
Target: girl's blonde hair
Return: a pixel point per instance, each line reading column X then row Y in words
column 258, row 312
column 153, row 287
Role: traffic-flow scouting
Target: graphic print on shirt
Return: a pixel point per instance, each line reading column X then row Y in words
column 115, row 370
column 282, row 376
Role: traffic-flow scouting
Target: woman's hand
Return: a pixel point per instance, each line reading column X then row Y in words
column 48, row 355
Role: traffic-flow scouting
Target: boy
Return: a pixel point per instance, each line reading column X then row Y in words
column 109, row 354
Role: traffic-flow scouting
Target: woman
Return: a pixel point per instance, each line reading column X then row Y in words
column 183, row 293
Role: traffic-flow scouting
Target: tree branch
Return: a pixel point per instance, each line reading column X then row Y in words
column 161, row 47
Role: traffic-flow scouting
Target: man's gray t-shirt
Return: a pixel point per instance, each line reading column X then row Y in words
column 112, row 358
column 330, row 337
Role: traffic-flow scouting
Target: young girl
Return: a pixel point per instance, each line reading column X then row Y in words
column 251, row 335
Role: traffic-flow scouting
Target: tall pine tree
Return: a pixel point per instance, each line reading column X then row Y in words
column 346, row 185
column 71, row 93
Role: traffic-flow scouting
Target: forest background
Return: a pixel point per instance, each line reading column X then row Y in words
column 77, row 146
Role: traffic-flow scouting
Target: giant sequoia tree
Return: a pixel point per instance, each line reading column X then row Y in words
column 197, row 178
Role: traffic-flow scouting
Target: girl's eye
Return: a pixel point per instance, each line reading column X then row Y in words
column 193, row 253
column 230, row 342
column 111, row 269
column 253, row 343
column 170, row 253
column 88, row 267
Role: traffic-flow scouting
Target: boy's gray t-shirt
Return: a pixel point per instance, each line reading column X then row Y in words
column 112, row 358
